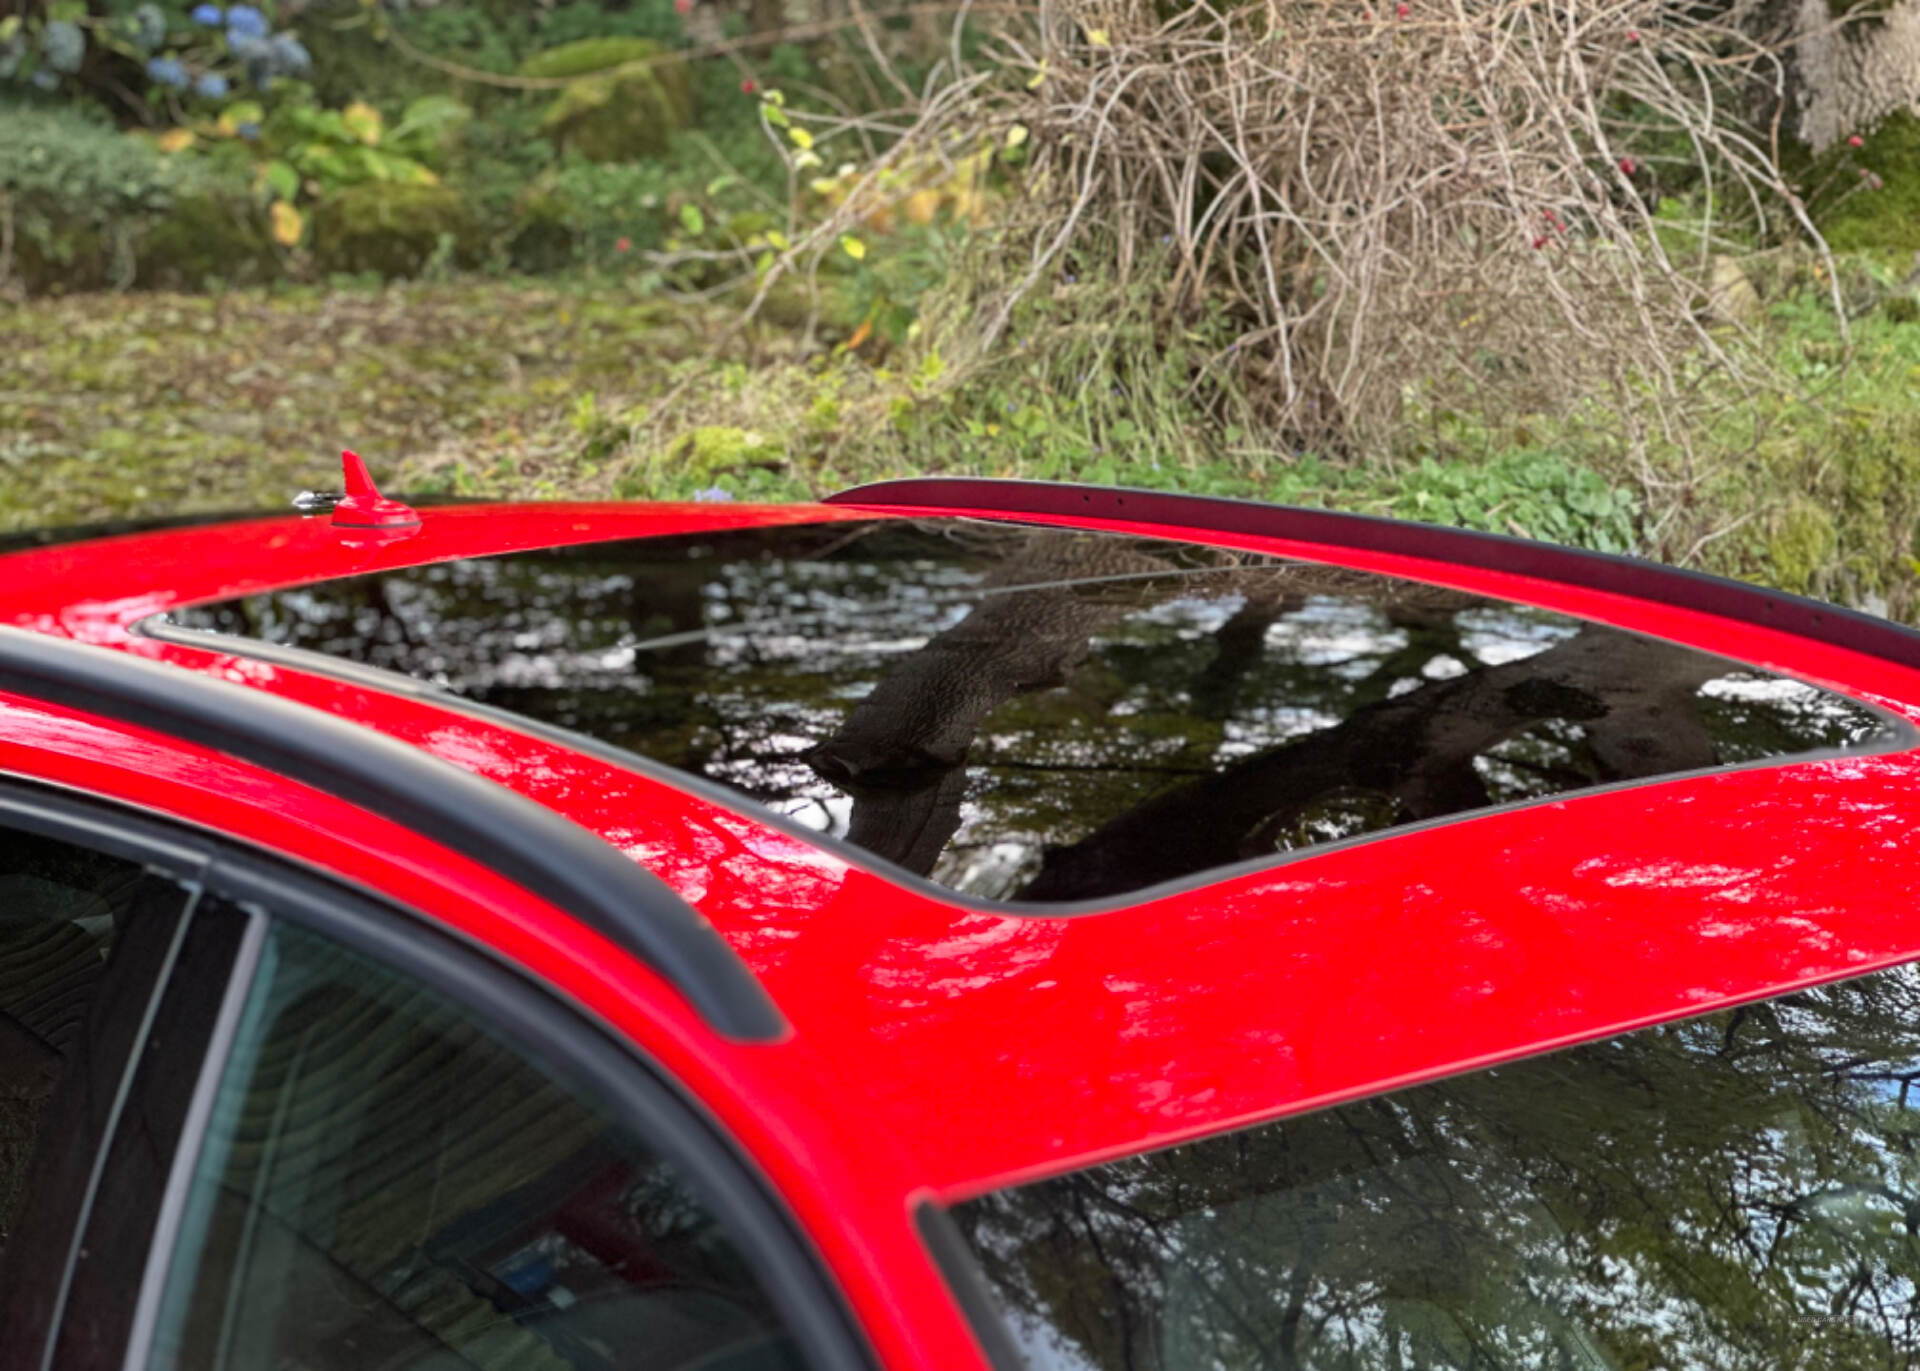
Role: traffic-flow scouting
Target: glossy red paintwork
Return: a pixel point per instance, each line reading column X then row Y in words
column 942, row 1049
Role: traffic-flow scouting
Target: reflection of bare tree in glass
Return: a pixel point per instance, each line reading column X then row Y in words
column 901, row 753
column 1733, row 1192
column 1634, row 695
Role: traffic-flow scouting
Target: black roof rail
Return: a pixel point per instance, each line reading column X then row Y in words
column 1635, row 576
column 525, row 842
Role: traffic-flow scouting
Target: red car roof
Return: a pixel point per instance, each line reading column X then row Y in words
column 994, row 1045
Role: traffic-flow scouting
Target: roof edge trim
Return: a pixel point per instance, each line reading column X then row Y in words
column 1815, row 620
column 523, row 841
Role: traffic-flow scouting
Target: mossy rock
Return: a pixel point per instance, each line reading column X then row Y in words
column 543, row 237
column 394, row 230
column 1882, row 220
column 207, row 237
column 588, row 56
column 623, row 113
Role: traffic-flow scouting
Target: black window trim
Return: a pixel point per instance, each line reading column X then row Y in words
column 170, row 1209
column 524, row 841
column 1816, row 620
column 978, row 1304
column 593, row 1056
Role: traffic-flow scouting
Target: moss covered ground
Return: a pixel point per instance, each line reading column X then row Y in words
column 150, row 403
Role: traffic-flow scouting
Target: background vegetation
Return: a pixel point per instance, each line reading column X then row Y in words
column 1561, row 270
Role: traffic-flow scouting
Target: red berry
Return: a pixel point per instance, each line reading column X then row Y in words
column 1539, row 243
column 747, row 87
column 1856, row 141
column 1864, row 173
column 682, row 6
column 1628, row 166
column 1404, row 11
column 623, row 245
column 1633, row 35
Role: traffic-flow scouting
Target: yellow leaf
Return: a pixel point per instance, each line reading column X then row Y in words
column 287, row 223
column 1016, row 135
column 1098, row 37
column 362, row 121
column 805, row 161
column 820, row 185
column 175, row 140
column 1039, row 75
column 801, row 138
column 777, row 239
column 852, row 246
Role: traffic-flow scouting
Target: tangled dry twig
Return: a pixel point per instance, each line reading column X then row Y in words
column 1442, row 194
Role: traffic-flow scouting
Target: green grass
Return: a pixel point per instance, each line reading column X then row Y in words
column 152, row 404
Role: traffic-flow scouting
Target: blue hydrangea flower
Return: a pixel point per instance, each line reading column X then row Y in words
column 164, row 71
column 249, row 131
column 290, row 55
column 208, row 16
column 244, row 21
column 45, row 80
column 211, row 85
column 713, row 495
column 257, row 54
column 63, row 45
column 149, row 27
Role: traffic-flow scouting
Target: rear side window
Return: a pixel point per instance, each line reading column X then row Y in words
column 84, row 937
column 386, row 1184
column 1050, row 716
column 1739, row 1190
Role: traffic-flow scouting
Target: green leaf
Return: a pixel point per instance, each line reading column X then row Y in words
column 282, row 180
column 692, row 220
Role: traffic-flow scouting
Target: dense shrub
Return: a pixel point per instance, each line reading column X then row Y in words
column 83, row 206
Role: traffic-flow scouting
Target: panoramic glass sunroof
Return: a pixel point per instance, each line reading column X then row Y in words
column 1050, row 715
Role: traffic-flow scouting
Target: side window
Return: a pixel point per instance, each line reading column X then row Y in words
column 84, row 937
column 386, row 1184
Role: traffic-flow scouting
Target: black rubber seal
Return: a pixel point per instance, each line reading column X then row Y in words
column 968, row 1286
column 503, row 831
column 1813, row 620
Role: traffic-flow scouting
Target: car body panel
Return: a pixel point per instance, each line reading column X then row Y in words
column 942, row 1049
column 851, row 1193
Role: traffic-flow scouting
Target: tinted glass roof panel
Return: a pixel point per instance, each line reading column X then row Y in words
column 1052, row 715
